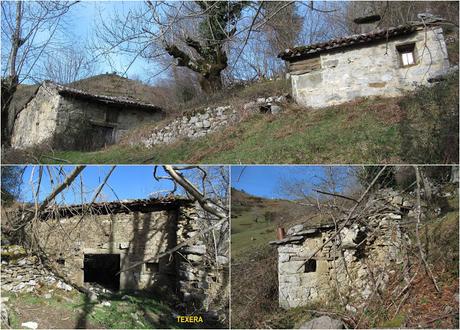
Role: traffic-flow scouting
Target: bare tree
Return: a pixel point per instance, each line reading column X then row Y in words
column 67, row 65
column 23, row 27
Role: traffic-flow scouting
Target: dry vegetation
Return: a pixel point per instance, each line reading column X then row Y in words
column 255, row 281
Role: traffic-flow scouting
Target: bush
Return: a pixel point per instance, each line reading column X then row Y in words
column 429, row 127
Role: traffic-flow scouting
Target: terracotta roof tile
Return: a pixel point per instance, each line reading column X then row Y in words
column 301, row 52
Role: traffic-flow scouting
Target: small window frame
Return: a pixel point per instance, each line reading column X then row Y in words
column 310, row 266
column 405, row 49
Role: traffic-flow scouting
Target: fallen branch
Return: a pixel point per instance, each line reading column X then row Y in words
column 349, row 217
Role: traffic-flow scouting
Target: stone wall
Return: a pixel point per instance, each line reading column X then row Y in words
column 36, row 123
column 135, row 236
column 352, row 263
column 73, row 123
column 371, row 70
column 209, row 120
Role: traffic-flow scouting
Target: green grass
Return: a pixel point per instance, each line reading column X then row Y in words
column 374, row 130
column 298, row 136
column 132, row 312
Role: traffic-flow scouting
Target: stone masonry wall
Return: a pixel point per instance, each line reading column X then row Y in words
column 371, row 70
column 208, row 120
column 352, row 263
column 36, row 123
column 135, row 236
column 68, row 123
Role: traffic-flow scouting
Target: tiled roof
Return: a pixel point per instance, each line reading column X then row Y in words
column 124, row 206
column 123, row 101
column 299, row 53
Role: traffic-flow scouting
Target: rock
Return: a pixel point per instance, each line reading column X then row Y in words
column 106, row 304
column 63, row 286
column 222, row 260
column 32, row 282
column 350, row 308
column 281, row 99
column 260, row 100
column 195, row 249
column 4, row 299
column 93, row 297
column 206, row 124
column 193, row 120
column 249, row 105
column 295, row 229
column 30, row 325
column 323, row 322
column 125, row 297
column 47, row 296
column 397, row 200
column 194, row 257
column 275, row 109
column 123, row 245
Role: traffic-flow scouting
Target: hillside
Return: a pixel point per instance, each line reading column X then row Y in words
column 110, row 84
column 421, row 127
column 255, row 219
column 255, row 276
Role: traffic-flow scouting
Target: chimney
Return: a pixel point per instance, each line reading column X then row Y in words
column 368, row 23
column 280, row 233
column 366, row 19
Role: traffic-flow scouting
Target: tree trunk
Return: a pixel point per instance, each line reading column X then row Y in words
column 211, row 84
column 9, row 86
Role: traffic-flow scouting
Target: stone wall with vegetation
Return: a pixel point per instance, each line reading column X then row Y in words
column 352, row 263
column 374, row 69
column 135, row 236
column 208, row 120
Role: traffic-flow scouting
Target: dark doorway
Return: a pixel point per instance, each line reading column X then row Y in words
column 102, row 269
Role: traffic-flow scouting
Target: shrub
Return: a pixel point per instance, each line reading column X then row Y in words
column 429, row 127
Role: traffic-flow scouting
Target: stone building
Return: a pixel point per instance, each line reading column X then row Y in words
column 112, row 244
column 353, row 263
column 67, row 118
column 383, row 62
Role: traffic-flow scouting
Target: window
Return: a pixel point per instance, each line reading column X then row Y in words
column 310, row 266
column 60, row 261
column 406, row 54
column 152, row 267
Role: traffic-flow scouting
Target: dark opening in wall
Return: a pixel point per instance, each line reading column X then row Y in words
column 61, row 261
column 310, row 266
column 152, row 267
column 102, row 269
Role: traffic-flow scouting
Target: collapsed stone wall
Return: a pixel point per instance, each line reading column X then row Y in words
column 209, row 120
column 353, row 263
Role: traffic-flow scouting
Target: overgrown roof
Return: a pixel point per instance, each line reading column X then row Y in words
column 114, row 207
column 302, row 52
column 104, row 99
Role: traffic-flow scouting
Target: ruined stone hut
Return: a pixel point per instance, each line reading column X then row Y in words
column 384, row 61
column 68, row 118
column 92, row 244
column 353, row 262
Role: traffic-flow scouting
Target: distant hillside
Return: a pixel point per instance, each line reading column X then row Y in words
column 114, row 85
column 255, row 219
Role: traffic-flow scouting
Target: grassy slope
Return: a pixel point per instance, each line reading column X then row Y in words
column 248, row 234
column 375, row 130
column 66, row 310
column 352, row 133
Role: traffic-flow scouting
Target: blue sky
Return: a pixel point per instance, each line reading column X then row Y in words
column 83, row 21
column 128, row 182
column 265, row 181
